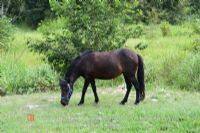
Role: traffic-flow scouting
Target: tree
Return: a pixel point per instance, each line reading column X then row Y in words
column 29, row 11
column 88, row 25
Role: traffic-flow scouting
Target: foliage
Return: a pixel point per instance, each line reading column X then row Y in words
column 5, row 33
column 194, row 6
column 132, row 11
column 169, row 10
column 56, row 25
column 84, row 25
column 29, row 11
column 35, row 11
column 135, row 31
column 57, row 47
column 165, row 28
column 12, row 9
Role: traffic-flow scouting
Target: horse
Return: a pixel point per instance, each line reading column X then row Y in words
column 104, row 65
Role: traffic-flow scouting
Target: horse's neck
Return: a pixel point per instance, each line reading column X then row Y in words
column 73, row 77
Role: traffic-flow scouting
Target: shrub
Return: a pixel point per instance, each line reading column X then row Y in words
column 56, row 25
column 165, row 28
column 57, row 47
column 136, row 31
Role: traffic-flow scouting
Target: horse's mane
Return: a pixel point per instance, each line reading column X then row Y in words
column 75, row 61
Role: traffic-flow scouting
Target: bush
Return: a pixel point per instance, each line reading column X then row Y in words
column 5, row 33
column 56, row 25
column 57, row 47
column 165, row 28
column 136, row 31
column 187, row 75
column 16, row 77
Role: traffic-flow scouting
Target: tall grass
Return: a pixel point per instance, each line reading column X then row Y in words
column 22, row 71
column 187, row 75
column 17, row 77
column 170, row 60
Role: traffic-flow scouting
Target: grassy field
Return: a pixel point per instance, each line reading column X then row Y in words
column 163, row 110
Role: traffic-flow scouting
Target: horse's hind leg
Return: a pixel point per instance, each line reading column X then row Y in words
column 94, row 91
column 136, row 85
column 83, row 92
column 128, row 87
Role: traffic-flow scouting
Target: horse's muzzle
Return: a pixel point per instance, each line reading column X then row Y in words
column 64, row 103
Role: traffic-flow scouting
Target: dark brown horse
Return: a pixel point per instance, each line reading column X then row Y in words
column 104, row 65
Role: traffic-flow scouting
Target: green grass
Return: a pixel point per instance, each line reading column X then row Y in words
column 23, row 71
column 163, row 110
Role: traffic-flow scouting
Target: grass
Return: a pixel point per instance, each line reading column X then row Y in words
column 164, row 56
column 163, row 110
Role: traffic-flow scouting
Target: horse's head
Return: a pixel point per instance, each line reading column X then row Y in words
column 66, row 92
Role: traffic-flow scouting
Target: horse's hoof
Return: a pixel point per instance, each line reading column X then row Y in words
column 96, row 101
column 141, row 98
column 80, row 104
column 122, row 103
column 137, row 102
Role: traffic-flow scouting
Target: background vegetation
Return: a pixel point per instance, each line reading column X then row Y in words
column 36, row 49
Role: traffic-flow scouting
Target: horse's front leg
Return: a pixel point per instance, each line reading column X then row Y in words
column 83, row 92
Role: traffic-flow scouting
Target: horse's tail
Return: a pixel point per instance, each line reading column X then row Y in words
column 140, row 76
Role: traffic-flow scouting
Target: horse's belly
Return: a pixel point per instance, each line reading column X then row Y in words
column 106, row 77
column 107, row 74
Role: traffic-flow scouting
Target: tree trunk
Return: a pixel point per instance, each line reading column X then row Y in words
column 2, row 9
